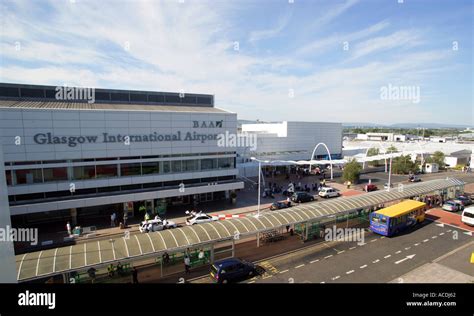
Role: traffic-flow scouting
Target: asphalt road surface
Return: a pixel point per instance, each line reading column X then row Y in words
column 379, row 260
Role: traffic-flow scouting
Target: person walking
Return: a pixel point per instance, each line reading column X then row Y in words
column 187, row 264
column 125, row 218
column 135, row 276
column 112, row 220
column 68, row 228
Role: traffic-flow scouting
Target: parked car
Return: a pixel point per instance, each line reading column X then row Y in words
column 370, row 187
column 452, row 206
column 198, row 218
column 464, row 200
column 233, row 270
column 278, row 206
column 301, row 197
column 156, row 224
column 328, row 192
column 468, row 216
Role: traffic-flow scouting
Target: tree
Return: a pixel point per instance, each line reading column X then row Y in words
column 351, row 171
column 404, row 165
column 438, row 158
column 373, row 152
column 392, row 149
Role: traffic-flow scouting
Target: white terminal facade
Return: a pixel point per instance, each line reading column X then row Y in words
column 71, row 160
column 289, row 141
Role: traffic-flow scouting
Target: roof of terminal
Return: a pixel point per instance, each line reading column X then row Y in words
column 49, row 262
column 47, row 105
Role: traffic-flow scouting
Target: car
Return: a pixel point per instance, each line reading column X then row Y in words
column 278, row 206
column 414, row 179
column 301, row 197
column 156, row 224
column 200, row 217
column 233, row 270
column 467, row 216
column 370, row 187
column 452, row 206
column 328, row 192
column 464, row 200
column 385, row 186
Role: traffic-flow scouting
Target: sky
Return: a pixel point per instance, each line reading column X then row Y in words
column 270, row 60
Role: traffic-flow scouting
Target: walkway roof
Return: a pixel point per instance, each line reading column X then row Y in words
column 140, row 246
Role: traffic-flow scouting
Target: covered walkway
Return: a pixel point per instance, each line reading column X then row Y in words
column 142, row 246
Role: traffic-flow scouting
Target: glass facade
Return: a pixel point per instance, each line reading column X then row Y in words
column 115, row 169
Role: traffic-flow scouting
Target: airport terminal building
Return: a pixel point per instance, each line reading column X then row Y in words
column 78, row 160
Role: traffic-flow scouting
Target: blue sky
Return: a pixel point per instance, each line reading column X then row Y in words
column 306, row 60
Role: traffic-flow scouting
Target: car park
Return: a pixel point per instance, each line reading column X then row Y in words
column 328, row 192
column 233, row 270
column 301, row 197
column 156, row 224
column 452, row 206
column 467, row 216
column 199, row 218
column 278, row 206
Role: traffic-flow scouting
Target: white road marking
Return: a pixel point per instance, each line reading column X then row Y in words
column 376, row 261
column 336, row 277
column 373, row 240
column 434, row 237
column 349, row 272
column 426, row 240
column 322, row 282
column 251, row 282
column 407, row 248
column 417, row 244
column 341, row 251
column 267, row 277
column 441, row 234
column 301, row 265
column 284, row 271
column 364, row 266
column 352, row 248
column 314, row 261
column 387, row 256
column 328, row 257
column 468, row 233
column 440, row 225
column 398, row 252
column 448, row 231
column 406, row 258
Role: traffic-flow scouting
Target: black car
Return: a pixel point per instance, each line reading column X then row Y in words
column 233, row 270
column 301, row 197
column 278, row 206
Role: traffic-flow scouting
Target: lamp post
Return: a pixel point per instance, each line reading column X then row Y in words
column 259, row 177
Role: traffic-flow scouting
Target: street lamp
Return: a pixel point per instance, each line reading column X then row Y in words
column 259, row 176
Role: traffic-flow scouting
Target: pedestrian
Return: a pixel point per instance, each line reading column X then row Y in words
column 68, row 227
column 166, row 258
column 135, row 275
column 112, row 219
column 110, row 270
column 91, row 273
column 187, row 264
column 201, row 254
column 125, row 217
column 287, row 228
column 119, row 269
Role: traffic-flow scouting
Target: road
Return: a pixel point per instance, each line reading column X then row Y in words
column 379, row 260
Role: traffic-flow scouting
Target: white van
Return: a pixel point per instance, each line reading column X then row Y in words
column 328, row 192
column 468, row 216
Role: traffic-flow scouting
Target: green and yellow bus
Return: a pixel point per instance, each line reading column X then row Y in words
column 393, row 219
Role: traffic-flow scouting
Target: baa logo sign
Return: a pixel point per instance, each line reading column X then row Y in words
column 210, row 124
